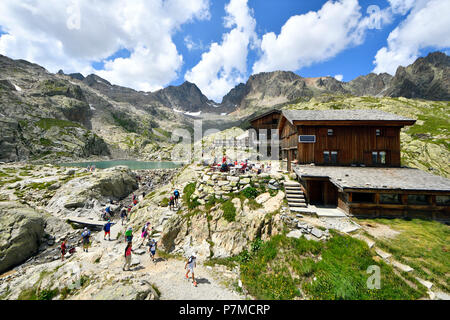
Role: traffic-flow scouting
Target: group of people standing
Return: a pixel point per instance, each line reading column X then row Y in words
column 128, row 238
column 145, row 235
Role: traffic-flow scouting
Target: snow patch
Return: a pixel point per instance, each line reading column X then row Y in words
column 176, row 110
column 223, row 114
column 193, row 114
column 214, row 105
column 17, row 87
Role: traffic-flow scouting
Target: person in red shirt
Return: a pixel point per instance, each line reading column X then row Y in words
column 224, row 159
column 63, row 249
column 128, row 250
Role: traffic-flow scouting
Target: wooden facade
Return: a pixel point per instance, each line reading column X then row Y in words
column 264, row 124
column 369, row 143
column 370, row 203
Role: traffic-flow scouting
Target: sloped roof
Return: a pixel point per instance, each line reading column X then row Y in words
column 376, row 178
column 341, row 115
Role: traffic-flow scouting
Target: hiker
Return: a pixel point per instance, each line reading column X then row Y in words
column 135, row 202
column 63, row 249
column 108, row 212
column 85, row 235
column 123, row 214
column 145, row 231
column 172, row 202
column 107, row 229
column 133, row 197
column 190, row 265
column 129, row 234
column 143, row 195
column 129, row 210
column 152, row 249
column 176, row 193
column 128, row 250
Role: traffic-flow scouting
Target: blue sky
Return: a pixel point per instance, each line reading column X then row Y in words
column 170, row 41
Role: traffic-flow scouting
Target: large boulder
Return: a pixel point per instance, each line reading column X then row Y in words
column 21, row 229
column 216, row 237
column 90, row 191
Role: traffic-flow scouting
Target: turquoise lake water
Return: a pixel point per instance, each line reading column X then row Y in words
column 132, row 164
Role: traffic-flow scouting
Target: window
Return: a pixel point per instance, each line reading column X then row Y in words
column 307, row 138
column 378, row 132
column 443, row 200
column 328, row 159
column 362, row 197
column 417, row 199
column 333, row 156
column 382, row 157
column 378, row 157
column 326, row 156
column 390, row 198
column 374, row 157
column 330, row 132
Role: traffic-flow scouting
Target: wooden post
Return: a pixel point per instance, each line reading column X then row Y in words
column 404, row 198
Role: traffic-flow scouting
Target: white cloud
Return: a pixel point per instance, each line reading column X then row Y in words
column 339, row 77
column 316, row 36
column 427, row 25
column 401, row 6
column 224, row 65
column 193, row 45
column 50, row 33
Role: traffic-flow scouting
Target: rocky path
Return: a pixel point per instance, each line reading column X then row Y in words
column 169, row 277
column 167, row 274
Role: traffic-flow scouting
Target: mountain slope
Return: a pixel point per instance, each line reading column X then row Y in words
column 427, row 78
column 53, row 117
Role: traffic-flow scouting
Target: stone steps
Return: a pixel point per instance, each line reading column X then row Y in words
column 296, row 204
column 289, row 199
column 292, row 187
column 298, row 191
column 295, row 195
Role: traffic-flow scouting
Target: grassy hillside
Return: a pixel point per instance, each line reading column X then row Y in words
column 426, row 145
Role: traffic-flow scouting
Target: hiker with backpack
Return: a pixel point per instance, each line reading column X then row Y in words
column 129, row 234
column 128, row 250
column 85, row 236
column 176, row 193
column 63, row 249
column 123, row 214
column 145, row 231
column 190, row 265
column 107, row 229
column 172, row 202
column 152, row 249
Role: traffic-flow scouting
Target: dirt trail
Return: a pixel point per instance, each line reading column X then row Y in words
column 168, row 275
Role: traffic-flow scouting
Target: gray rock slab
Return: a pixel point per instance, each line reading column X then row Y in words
column 294, row 234
column 317, row 233
column 382, row 253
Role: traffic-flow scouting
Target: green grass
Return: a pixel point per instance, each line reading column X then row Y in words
column 47, row 123
column 164, row 202
column 423, row 245
column 249, row 193
column 12, row 180
column 229, row 211
column 40, row 185
column 188, row 191
column 282, row 266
